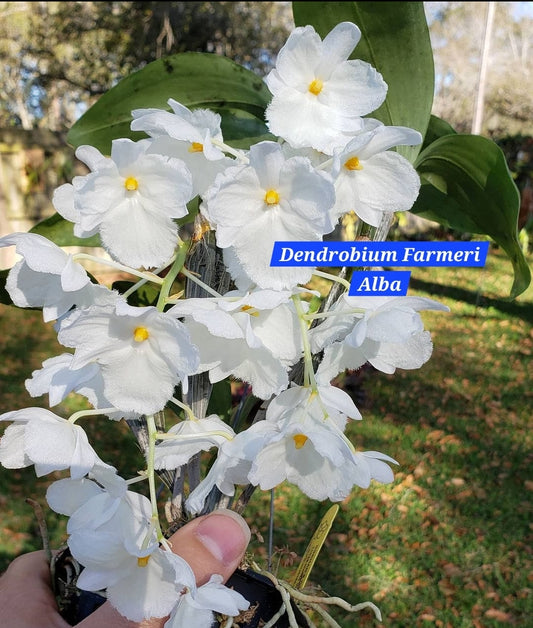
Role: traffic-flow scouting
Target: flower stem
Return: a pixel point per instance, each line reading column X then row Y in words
column 309, row 372
column 231, row 151
column 141, row 283
column 148, row 276
column 77, row 415
column 139, row 478
column 184, row 406
column 355, row 310
column 331, row 277
column 192, row 437
column 150, row 472
column 175, row 269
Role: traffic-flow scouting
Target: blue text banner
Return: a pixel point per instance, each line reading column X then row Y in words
column 371, row 254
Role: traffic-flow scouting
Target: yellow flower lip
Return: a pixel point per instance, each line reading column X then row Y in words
column 272, row 197
column 316, row 86
column 299, row 440
column 353, row 164
column 131, row 184
column 196, row 147
column 249, row 309
column 142, row 561
column 140, row 334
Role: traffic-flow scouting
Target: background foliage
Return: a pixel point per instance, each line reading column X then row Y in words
column 56, row 55
column 59, row 57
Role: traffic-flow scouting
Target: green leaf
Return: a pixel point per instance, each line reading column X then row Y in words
column 437, row 127
column 220, row 401
column 192, row 210
column 59, row 231
column 4, row 295
column 192, row 78
column 240, row 129
column 238, row 125
column 395, row 40
column 467, row 186
column 144, row 296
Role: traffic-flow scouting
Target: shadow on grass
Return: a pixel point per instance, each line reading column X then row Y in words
column 475, row 298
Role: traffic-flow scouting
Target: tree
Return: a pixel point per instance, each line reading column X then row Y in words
column 59, row 57
column 457, row 34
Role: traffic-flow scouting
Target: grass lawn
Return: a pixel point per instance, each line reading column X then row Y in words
column 449, row 542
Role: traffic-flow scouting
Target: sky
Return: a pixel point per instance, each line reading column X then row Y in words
column 520, row 9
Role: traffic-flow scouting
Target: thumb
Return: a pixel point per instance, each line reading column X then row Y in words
column 211, row 544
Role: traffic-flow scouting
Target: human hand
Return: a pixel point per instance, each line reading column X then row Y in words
column 212, row 544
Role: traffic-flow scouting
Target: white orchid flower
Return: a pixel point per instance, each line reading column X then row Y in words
column 232, row 464
column 197, row 605
column 131, row 199
column 140, row 582
column 299, row 403
column 111, row 535
column 186, row 135
column 310, row 448
column 253, row 336
column 308, row 445
column 47, row 277
column 318, row 459
column 387, row 332
column 142, row 353
column 277, row 199
column 300, row 441
column 370, row 179
column 49, row 442
column 317, row 92
column 189, row 437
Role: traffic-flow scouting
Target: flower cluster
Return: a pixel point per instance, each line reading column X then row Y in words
column 131, row 362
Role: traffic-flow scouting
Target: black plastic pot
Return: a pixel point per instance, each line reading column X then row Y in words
column 265, row 600
column 74, row 604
